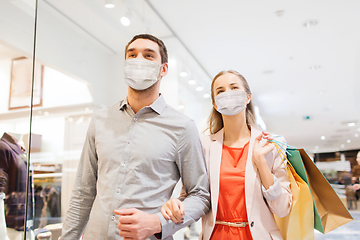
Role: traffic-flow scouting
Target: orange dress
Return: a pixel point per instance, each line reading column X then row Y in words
column 231, row 203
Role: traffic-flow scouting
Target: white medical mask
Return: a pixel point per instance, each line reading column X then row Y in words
column 141, row 74
column 230, row 102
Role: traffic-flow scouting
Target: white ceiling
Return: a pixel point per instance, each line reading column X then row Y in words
column 276, row 55
column 267, row 42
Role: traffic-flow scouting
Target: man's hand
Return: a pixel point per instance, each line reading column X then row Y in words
column 136, row 224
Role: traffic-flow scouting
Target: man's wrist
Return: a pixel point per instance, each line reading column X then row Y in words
column 157, row 226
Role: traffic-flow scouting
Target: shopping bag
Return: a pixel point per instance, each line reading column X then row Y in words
column 299, row 223
column 329, row 211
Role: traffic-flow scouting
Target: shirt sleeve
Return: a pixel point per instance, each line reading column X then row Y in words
column 84, row 191
column 191, row 164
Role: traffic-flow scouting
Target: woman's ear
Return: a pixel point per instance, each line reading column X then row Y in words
column 214, row 105
column 248, row 98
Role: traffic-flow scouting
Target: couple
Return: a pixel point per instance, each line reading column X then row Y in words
column 136, row 151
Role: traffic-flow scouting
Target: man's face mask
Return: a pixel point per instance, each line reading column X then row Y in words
column 230, row 102
column 141, row 74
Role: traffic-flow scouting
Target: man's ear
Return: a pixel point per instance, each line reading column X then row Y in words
column 164, row 70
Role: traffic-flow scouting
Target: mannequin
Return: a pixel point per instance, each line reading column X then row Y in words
column 13, row 176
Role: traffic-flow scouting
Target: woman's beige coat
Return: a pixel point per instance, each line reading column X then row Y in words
column 259, row 211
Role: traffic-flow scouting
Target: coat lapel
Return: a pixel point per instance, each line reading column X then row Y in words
column 250, row 173
column 215, row 162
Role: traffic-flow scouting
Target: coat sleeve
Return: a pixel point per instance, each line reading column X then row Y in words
column 278, row 196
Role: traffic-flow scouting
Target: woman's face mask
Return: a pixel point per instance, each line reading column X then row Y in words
column 231, row 102
column 141, row 74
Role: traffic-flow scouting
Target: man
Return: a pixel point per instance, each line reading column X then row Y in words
column 134, row 154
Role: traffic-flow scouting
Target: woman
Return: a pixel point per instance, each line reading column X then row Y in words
column 248, row 180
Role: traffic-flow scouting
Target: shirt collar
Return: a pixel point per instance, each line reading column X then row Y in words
column 157, row 106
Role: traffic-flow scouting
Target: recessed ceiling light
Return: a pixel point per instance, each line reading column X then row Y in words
column 356, row 135
column 348, row 141
column 280, row 13
column 109, row 4
column 181, row 107
column 199, row 89
column 351, row 124
column 183, row 74
column 268, row 72
column 310, row 23
column 342, row 145
column 322, row 137
column 191, row 82
column 125, row 21
column 206, row 95
column 315, row 67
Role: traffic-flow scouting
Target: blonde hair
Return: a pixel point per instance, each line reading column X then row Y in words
column 215, row 120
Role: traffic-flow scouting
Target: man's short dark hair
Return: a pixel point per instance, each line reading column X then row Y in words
column 163, row 51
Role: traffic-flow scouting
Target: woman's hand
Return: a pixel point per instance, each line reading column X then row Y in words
column 173, row 209
column 260, row 150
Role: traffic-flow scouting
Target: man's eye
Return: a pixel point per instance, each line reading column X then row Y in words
column 149, row 56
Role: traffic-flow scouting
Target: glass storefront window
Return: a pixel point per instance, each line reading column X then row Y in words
column 79, row 56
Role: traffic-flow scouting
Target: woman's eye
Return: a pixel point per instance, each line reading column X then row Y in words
column 235, row 87
column 220, row 91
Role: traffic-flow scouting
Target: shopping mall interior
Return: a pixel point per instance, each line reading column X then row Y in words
column 62, row 60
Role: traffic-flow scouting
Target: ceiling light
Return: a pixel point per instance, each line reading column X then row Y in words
column 348, row 141
column 125, row 21
column 191, row 82
column 280, row 13
column 322, row 137
column 199, row 89
column 181, row 107
column 109, row 3
column 342, row 145
column 206, row 95
column 315, row 67
column 183, row 74
column 356, row 135
column 268, row 72
column 351, row 124
column 310, row 23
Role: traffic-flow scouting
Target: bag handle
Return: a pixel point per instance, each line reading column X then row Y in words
column 283, row 156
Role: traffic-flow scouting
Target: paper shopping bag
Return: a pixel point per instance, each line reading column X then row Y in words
column 299, row 223
column 329, row 211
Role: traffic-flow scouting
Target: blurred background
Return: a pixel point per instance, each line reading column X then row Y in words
column 60, row 60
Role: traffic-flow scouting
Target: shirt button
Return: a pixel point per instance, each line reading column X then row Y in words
column 252, row 224
column 123, row 164
column 135, row 119
column 113, row 218
column 129, row 141
column 118, row 190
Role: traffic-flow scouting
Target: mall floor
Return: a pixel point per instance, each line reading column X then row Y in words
column 349, row 231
